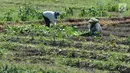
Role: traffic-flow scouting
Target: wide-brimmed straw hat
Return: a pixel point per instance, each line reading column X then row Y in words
column 93, row 20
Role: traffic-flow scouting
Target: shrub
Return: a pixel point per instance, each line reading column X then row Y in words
column 83, row 12
column 69, row 11
column 8, row 16
column 94, row 11
column 63, row 15
column 28, row 12
column 112, row 7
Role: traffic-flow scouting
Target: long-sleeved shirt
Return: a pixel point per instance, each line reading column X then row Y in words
column 95, row 27
column 51, row 16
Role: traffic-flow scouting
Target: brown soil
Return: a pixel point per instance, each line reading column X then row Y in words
column 78, row 22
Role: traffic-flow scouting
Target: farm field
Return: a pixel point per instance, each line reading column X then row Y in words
column 27, row 46
column 35, row 44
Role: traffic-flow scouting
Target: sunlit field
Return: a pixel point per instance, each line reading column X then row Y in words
column 27, row 46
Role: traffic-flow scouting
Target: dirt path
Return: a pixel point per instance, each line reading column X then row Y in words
column 78, row 22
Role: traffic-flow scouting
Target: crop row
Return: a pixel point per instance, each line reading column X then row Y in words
column 39, row 50
column 97, row 45
column 92, row 59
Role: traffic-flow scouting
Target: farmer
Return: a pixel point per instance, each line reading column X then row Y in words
column 94, row 27
column 50, row 16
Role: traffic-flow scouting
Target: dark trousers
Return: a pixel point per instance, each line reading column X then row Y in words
column 47, row 21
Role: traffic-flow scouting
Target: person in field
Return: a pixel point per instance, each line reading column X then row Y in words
column 50, row 16
column 94, row 27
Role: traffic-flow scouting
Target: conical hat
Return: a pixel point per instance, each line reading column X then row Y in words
column 93, row 20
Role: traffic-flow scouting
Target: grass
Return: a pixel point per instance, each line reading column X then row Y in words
column 35, row 68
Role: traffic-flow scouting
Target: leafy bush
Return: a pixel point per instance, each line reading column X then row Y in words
column 112, row 7
column 94, row 11
column 28, row 12
column 68, row 12
column 8, row 16
column 83, row 12
column 63, row 15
